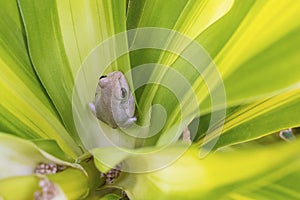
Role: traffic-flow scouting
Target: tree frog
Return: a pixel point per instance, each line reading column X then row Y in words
column 114, row 103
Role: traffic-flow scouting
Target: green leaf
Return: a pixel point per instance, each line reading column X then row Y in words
column 15, row 64
column 249, row 56
column 11, row 14
column 261, row 118
column 103, row 162
column 212, row 39
column 110, row 197
column 253, row 78
column 50, row 146
column 19, row 159
column 283, row 188
column 15, row 153
column 250, row 77
column 190, row 18
column 57, row 35
column 226, row 172
column 69, row 184
column 269, row 60
column 25, row 109
column 25, row 185
column 73, row 183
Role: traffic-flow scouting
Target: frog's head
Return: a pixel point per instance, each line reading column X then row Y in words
column 115, row 101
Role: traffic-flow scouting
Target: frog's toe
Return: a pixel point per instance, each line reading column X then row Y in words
column 131, row 120
column 128, row 123
column 93, row 108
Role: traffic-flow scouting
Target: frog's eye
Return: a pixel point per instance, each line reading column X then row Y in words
column 123, row 92
column 101, row 77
